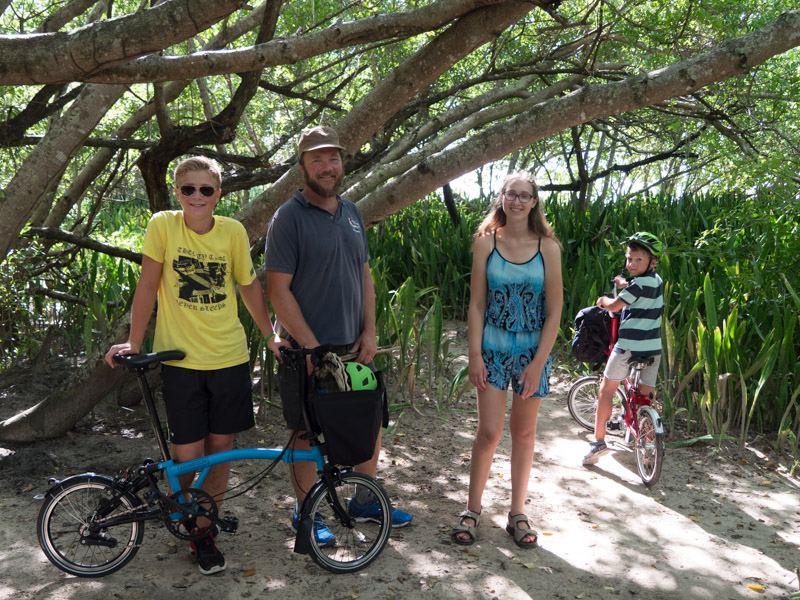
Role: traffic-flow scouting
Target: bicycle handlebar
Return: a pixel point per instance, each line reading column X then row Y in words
column 291, row 354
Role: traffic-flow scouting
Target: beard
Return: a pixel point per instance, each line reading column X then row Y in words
column 315, row 186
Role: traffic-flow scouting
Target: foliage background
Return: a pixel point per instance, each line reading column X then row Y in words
column 714, row 171
column 731, row 271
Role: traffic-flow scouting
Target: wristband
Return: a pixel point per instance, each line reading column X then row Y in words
column 270, row 336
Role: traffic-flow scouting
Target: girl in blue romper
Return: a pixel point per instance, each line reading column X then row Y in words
column 514, row 313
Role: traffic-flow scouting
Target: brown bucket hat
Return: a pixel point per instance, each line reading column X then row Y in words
column 318, row 137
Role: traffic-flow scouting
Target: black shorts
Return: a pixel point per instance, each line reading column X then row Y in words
column 290, row 392
column 200, row 402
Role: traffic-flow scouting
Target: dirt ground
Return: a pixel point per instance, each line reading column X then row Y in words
column 720, row 523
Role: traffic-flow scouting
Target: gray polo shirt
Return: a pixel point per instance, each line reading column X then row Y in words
column 325, row 254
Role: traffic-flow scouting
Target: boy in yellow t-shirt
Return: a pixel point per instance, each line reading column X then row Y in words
column 192, row 261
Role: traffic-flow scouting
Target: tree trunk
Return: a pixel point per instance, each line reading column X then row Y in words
column 72, row 400
column 45, row 164
column 471, row 31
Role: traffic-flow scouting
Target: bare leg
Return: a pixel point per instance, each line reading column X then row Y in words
column 522, row 425
column 605, row 406
column 216, row 482
column 491, row 419
column 647, row 390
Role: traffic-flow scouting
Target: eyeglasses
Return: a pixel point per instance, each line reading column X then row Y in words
column 206, row 190
column 524, row 198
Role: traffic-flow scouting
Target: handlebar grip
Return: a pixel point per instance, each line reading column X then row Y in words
column 288, row 357
column 290, row 354
column 318, row 352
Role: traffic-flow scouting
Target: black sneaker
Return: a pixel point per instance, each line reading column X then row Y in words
column 209, row 559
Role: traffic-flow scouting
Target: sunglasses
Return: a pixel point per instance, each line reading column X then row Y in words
column 206, row 190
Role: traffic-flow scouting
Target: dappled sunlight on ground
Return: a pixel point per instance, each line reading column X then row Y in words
column 716, row 522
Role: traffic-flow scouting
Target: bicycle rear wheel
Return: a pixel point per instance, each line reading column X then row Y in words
column 357, row 544
column 582, row 401
column 72, row 533
column 649, row 448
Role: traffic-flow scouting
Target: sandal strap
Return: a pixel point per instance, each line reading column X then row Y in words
column 514, row 520
column 470, row 514
column 517, row 518
column 469, row 530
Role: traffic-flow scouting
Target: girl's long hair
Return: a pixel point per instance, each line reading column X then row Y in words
column 496, row 217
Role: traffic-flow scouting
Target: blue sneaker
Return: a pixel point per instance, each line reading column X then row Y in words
column 322, row 535
column 371, row 511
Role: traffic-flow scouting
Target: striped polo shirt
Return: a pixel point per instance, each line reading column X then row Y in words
column 640, row 320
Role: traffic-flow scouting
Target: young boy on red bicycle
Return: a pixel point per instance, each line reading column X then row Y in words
column 639, row 335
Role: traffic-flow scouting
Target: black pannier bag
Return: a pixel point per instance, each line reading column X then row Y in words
column 349, row 421
column 592, row 336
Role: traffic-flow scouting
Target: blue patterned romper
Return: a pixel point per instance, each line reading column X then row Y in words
column 515, row 313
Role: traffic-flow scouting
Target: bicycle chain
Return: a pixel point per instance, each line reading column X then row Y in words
column 173, row 526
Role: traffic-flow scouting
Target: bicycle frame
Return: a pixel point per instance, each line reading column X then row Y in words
column 204, row 464
column 91, row 525
column 634, row 398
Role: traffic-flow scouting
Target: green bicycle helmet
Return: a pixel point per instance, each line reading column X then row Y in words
column 361, row 377
column 649, row 241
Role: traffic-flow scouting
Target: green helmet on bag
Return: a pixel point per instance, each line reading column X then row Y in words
column 649, row 241
column 361, row 377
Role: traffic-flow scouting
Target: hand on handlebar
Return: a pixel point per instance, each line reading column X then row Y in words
column 275, row 343
column 313, row 356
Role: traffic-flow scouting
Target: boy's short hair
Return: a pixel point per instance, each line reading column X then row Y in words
column 198, row 163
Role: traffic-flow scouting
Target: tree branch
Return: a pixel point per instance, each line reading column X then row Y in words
column 76, row 56
column 730, row 58
column 282, row 51
column 82, row 242
column 64, row 297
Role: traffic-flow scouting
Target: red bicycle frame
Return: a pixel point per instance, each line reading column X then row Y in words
column 634, row 398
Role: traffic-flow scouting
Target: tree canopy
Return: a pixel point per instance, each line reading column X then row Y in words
column 601, row 99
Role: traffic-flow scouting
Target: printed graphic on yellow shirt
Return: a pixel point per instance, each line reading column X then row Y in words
column 200, row 283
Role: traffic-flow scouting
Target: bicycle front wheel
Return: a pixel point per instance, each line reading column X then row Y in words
column 358, row 542
column 582, row 401
column 72, row 532
column 649, row 448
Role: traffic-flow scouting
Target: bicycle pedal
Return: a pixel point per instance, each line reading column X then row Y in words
column 228, row 524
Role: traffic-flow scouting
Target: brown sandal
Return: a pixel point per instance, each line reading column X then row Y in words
column 461, row 528
column 519, row 533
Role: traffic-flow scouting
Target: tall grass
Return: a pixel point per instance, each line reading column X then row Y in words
column 730, row 327
column 423, row 244
column 731, row 272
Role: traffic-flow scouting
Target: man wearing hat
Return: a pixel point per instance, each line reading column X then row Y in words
column 320, row 287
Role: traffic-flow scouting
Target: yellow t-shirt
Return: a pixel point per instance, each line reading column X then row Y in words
column 197, row 305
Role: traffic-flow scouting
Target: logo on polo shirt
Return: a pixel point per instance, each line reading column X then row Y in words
column 354, row 224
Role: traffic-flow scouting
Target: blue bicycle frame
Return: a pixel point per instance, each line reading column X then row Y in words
column 203, row 464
